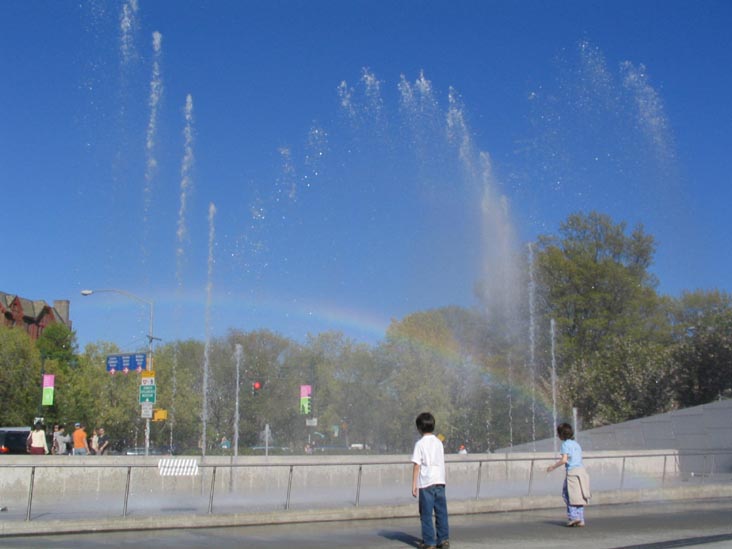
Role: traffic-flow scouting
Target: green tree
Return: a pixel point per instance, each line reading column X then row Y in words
column 595, row 282
column 624, row 380
column 58, row 350
column 178, row 377
column 20, row 377
column 421, row 351
column 703, row 356
column 58, row 342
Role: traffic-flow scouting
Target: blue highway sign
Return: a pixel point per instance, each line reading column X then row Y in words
column 126, row 362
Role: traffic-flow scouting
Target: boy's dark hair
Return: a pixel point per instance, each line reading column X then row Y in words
column 565, row 431
column 425, row 422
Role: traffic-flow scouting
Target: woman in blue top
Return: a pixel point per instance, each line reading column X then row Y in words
column 576, row 489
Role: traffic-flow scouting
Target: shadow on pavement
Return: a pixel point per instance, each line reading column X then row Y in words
column 686, row 542
column 408, row 539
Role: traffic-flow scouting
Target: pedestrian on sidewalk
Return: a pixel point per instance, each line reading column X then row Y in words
column 576, row 488
column 102, row 441
column 81, row 445
column 428, row 482
column 61, row 440
column 37, row 443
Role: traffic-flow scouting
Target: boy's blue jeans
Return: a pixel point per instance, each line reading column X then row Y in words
column 432, row 500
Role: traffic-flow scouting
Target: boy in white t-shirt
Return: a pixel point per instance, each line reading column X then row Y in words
column 428, row 481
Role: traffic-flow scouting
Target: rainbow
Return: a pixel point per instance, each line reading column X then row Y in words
column 369, row 326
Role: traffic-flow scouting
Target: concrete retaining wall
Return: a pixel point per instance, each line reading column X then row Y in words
column 94, row 476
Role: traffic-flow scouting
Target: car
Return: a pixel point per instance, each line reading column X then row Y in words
column 13, row 440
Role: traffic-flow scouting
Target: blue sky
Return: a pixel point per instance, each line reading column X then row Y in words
column 365, row 159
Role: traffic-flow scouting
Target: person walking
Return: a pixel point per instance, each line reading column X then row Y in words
column 94, row 443
column 81, row 446
column 428, row 483
column 37, row 443
column 102, row 441
column 576, row 488
column 61, row 440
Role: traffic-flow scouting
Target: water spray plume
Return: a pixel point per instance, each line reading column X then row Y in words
column 286, row 185
column 346, row 93
column 457, row 133
column 151, row 163
column 186, row 185
column 553, row 338
column 127, row 27
column 207, row 347
column 651, row 114
column 532, row 341
column 317, row 147
column 373, row 92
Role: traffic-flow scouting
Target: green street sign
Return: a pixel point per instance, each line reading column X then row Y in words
column 147, row 393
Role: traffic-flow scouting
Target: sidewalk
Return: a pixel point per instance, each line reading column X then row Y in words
column 630, row 526
column 13, row 522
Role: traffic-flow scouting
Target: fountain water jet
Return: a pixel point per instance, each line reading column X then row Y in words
column 532, row 342
column 185, row 188
column 151, row 162
column 207, row 347
column 239, row 351
column 552, row 335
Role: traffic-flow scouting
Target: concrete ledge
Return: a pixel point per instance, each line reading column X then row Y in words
column 525, row 503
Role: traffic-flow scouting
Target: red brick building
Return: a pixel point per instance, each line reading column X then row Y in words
column 32, row 316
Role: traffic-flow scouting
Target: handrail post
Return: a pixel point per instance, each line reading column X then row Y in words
column 531, row 475
column 127, row 491
column 211, row 494
column 711, row 470
column 358, row 484
column 622, row 474
column 704, row 469
column 289, row 488
column 663, row 477
column 30, row 493
column 477, row 487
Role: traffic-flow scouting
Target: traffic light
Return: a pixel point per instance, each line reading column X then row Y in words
column 256, row 386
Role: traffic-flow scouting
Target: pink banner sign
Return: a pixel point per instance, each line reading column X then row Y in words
column 306, row 390
column 48, row 380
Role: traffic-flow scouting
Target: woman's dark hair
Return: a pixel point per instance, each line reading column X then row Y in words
column 565, row 431
column 425, row 422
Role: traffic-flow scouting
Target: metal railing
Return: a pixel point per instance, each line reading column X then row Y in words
column 707, row 470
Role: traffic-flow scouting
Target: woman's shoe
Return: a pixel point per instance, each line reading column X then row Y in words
column 575, row 522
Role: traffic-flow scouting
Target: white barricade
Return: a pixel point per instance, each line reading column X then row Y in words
column 178, row 467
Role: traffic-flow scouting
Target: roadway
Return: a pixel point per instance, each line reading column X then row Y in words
column 630, row 526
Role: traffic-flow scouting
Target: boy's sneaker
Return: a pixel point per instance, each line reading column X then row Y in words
column 444, row 545
column 423, row 546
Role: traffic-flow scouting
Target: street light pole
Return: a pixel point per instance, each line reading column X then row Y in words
column 150, row 339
